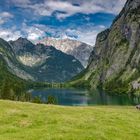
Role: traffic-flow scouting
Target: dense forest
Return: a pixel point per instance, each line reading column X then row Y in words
column 12, row 87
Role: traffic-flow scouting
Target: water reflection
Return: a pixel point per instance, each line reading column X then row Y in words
column 74, row 97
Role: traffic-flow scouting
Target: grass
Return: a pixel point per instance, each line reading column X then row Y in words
column 27, row 121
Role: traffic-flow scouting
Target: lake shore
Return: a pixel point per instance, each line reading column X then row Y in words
column 28, row 121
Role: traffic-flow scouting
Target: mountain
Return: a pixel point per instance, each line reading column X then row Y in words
column 44, row 63
column 11, row 63
column 78, row 49
column 11, row 86
column 22, row 62
column 114, row 63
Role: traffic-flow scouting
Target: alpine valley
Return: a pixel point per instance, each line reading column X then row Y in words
column 53, row 85
column 113, row 64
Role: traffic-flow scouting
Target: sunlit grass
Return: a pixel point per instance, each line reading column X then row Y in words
column 26, row 121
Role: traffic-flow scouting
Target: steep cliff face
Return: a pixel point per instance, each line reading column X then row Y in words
column 114, row 63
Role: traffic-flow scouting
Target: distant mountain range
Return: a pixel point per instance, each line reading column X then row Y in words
column 78, row 49
column 37, row 62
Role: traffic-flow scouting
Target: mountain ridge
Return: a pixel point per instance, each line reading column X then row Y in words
column 79, row 50
column 38, row 63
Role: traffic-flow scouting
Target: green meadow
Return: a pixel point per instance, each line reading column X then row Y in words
column 28, row 121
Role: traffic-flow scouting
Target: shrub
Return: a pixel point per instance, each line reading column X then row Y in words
column 51, row 100
column 37, row 99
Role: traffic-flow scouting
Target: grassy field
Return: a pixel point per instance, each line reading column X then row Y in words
column 26, row 121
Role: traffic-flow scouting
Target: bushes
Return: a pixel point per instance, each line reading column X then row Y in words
column 37, row 100
column 51, row 100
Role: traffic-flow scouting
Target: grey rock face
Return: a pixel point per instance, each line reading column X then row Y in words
column 79, row 50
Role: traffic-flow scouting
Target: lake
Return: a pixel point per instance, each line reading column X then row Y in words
column 82, row 97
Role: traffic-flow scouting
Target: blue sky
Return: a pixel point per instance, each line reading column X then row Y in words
column 75, row 19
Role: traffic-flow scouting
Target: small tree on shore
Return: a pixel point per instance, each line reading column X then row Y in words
column 51, row 100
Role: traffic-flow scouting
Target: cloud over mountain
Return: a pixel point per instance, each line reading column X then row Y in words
column 76, row 19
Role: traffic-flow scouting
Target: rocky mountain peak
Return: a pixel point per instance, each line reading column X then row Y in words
column 22, row 44
column 79, row 50
column 132, row 4
column 23, row 41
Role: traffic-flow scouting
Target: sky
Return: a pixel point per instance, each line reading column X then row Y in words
column 75, row 19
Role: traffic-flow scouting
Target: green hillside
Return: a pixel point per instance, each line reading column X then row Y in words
column 11, row 87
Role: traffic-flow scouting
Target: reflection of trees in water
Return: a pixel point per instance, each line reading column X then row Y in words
column 102, row 97
column 97, row 97
column 134, row 99
column 49, row 100
column 79, row 97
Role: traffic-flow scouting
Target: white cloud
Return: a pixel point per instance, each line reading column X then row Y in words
column 68, row 8
column 88, row 37
column 4, row 17
column 10, row 34
column 1, row 21
column 37, row 31
column 84, row 34
column 32, row 33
